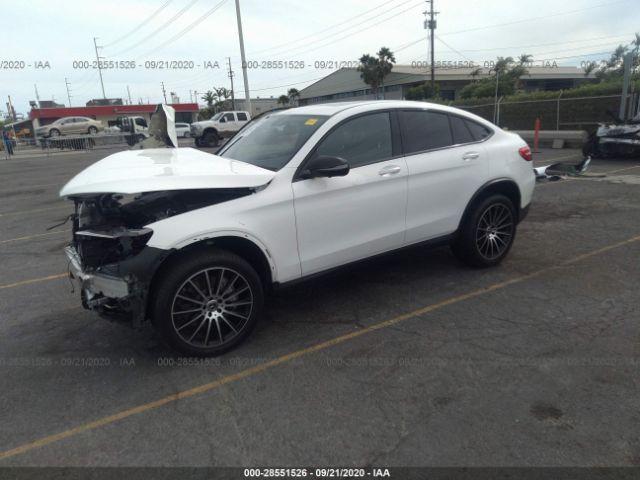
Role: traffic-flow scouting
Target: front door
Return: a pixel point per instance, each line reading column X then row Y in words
column 342, row 219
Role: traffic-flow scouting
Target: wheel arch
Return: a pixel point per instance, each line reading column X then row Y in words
column 210, row 129
column 505, row 186
column 243, row 245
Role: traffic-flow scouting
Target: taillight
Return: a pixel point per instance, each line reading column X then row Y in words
column 525, row 152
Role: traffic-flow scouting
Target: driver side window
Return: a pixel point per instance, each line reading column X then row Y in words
column 361, row 141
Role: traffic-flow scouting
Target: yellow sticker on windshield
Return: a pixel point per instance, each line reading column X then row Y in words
column 311, row 121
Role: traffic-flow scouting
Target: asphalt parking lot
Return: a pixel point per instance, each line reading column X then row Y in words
column 411, row 359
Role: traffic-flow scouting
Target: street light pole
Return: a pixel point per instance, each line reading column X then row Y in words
column 244, row 62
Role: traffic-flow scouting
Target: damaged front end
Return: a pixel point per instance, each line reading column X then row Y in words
column 109, row 258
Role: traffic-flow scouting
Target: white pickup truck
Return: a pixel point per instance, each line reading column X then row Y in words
column 208, row 133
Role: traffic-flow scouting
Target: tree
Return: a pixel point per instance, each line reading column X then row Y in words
column 422, row 92
column 222, row 96
column 386, row 59
column 293, row 95
column 210, row 98
column 374, row 69
column 283, row 100
column 475, row 73
column 505, row 75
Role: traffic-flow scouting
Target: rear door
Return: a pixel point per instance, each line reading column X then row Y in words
column 446, row 166
column 342, row 219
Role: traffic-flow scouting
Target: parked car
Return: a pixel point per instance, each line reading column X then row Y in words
column 208, row 133
column 183, row 130
column 294, row 194
column 70, row 126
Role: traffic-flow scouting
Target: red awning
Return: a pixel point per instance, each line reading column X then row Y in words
column 106, row 110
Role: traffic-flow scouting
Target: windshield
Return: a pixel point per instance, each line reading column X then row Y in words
column 216, row 116
column 272, row 141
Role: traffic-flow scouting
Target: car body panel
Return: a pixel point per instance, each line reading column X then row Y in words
column 135, row 171
column 343, row 219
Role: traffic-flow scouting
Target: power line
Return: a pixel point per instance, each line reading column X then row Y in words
column 276, row 47
column 532, row 19
column 188, row 28
column 140, row 25
column 514, row 22
column 159, row 29
column 292, row 51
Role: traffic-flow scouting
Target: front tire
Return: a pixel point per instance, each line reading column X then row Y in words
column 210, row 139
column 92, row 130
column 487, row 232
column 208, row 303
column 54, row 132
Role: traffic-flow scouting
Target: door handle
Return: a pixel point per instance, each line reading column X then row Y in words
column 389, row 170
column 470, row 156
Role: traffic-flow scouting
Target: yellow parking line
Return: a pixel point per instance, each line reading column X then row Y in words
column 207, row 387
column 621, row 169
column 30, row 237
column 7, row 214
column 33, row 280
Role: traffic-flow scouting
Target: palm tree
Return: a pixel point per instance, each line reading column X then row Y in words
column 525, row 58
column 293, row 95
column 589, row 68
column 210, row 98
column 368, row 69
column 386, row 59
column 374, row 69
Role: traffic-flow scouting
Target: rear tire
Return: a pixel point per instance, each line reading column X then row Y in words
column 487, row 232
column 207, row 303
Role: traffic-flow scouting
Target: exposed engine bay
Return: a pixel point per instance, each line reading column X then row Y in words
column 108, row 252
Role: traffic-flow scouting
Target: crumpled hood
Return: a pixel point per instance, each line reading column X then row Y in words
column 136, row 171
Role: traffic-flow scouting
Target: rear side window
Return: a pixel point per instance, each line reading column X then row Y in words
column 461, row 133
column 360, row 141
column 424, row 130
column 242, row 117
column 479, row 132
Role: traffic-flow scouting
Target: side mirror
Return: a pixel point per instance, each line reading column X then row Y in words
column 222, row 120
column 326, row 167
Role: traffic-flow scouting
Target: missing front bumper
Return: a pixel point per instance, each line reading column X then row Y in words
column 95, row 286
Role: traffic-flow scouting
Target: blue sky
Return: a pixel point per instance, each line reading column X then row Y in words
column 309, row 31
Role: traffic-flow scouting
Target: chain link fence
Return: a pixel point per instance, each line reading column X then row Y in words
column 579, row 113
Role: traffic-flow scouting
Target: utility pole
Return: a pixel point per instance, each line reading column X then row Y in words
column 67, row 84
column 95, row 45
column 247, row 101
column 164, row 93
column 37, row 95
column 431, row 25
column 129, row 95
column 628, row 60
column 231, row 75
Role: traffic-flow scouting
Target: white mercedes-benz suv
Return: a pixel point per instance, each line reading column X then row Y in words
column 193, row 241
